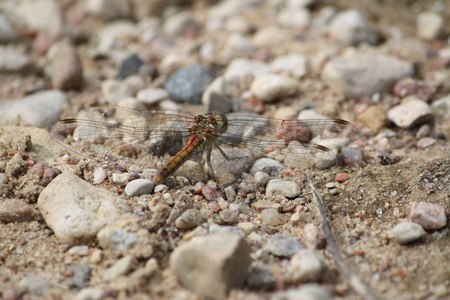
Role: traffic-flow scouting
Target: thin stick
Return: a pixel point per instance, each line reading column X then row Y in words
column 355, row 281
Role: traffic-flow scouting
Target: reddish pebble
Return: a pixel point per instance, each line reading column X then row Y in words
column 50, row 174
column 15, row 210
column 425, row 142
column 210, row 193
column 38, row 169
column 429, row 216
column 342, row 177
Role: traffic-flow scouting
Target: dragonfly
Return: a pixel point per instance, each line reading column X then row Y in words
column 230, row 144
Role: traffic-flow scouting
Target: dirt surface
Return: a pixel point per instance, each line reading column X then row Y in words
column 365, row 208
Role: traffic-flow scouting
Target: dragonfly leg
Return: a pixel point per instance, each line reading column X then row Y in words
column 208, row 161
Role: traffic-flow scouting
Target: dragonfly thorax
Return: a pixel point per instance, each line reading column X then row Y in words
column 210, row 124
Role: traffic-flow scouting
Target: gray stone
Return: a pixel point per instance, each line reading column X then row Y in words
column 442, row 107
column 229, row 216
column 212, row 265
column 351, row 28
column 139, row 187
column 410, row 112
column 189, row 219
column 116, row 238
column 188, row 84
column 217, row 96
column 261, row 178
column 215, row 229
column 430, row 25
column 366, row 74
column 407, row 232
column 42, row 109
column 288, row 189
column 81, row 275
column 75, row 210
column 121, row 179
column 270, row 216
column 67, row 70
column 273, row 86
column 12, row 60
column 193, row 171
column 284, row 245
column 264, row 204
column 267, row 165
column 430, row 216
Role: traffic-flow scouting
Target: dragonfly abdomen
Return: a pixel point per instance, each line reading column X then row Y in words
column 195, row 143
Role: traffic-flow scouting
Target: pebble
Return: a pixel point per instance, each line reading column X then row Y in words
column 442, row 107
column 217, row 229
column 7, row 31
column 342, row 177
column 217, row 96
column 261, row 178
column 410, row 112
column 81, row 275
column 430, row 216
column 266, row 165
column 35, row 14
column 12, row 60
column 260, row 205
column 79, row 250
column 15, row 210
column 351, row 28
column 273, row 86
column 284, row 245
column 237, row 24
column 122, row 267
column 67, row 70
column 121, row 179
column 413, row 87
column 423, row 131
column 270, row 216
column 270, row 36
column 90, row 293
column 366, row 74
column 295, row 17
column 374, row 117
column 306, row 266
column 211, row 194
column 309, row 291
column 430, row 25
column 3, row 178
column 193, row 171
column 116, row 238
column 152, row 96
column 248, row 227
column 294, row 65
column 75, row 210
column 425, row 142
column 288, row 189
column 188, row 84
column 42, row 109
column 261, row 279
column 212, row 265
column 130, row 65
column 404, row 233
column 352, row 156
column 109, row 10
column 111, row 34
column 181, row 24
column 139, row 187
column 99, row 175
column 229, row 216
column 189, row 219
column 240, row 68
column 236, row 46
column 34, row 284
column 313, row 236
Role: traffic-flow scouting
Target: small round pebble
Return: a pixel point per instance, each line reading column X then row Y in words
column 262, row 178
column 342, row 177
column 99, row 175
column 407, row 232
column 270, row 216
column 430, row 216
column 121, row 179
column 425, row 142
column 189, row 83
column 430, row 25
column 130, row 65
column 139, row 187
column 273, row 86
column 79, row 250
column 306, row 266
